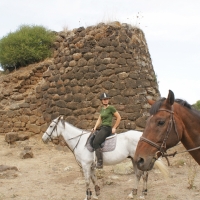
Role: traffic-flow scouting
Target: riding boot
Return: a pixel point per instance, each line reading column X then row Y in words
column 99, row 158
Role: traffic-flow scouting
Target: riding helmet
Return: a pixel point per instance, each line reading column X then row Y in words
column 104, row 96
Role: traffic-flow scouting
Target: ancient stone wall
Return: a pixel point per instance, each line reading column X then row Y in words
column 19, row 108
column 112, row 58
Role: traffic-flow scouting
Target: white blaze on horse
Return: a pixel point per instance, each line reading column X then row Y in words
column 77, row 141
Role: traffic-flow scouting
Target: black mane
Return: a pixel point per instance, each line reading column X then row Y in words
column 187, row 105
column 156, row 106
column 183, row 103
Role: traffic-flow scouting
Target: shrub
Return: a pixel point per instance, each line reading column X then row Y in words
column 29, row 44
column 197, row 105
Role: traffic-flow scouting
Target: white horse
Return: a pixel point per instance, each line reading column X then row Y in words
column 76, row 141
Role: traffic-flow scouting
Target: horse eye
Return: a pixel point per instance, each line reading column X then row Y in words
column 160, row 123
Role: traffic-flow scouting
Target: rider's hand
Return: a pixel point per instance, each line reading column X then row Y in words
column 93, row 130
column 113, row 130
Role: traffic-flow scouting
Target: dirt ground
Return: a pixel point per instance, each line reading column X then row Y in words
column 54, row 174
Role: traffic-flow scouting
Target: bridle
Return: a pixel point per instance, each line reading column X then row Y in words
column 72, row 150
column 162, row 149
column 56, row 123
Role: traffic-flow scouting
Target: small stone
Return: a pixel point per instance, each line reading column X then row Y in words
column 6, row 167
column 26, row 153
column 11, row 137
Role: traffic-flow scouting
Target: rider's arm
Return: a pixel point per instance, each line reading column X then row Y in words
column 97, row 123
column 118, row 119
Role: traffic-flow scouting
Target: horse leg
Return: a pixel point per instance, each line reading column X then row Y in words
column 87, row 175
column 94, row 180
column 138, row 174
column 145, row 179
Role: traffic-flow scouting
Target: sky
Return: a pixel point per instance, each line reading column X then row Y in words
column 171, row 28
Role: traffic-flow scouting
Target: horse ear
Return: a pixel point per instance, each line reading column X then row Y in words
column 170, row 98
column 60, row 117
column 151, row 102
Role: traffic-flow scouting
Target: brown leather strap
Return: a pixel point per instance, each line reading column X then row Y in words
column 150, row 142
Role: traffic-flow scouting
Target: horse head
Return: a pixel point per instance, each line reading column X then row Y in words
column 51, row 132
column 162, row 131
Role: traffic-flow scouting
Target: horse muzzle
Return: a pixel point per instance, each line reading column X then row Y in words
column 45, row 139
column 145, row 164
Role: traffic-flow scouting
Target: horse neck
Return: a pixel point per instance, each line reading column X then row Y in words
column 71, row 135
column 191, row 131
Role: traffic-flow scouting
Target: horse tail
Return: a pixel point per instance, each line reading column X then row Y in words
column 162, row 167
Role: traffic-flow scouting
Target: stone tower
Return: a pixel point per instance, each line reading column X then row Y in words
column 112, row 58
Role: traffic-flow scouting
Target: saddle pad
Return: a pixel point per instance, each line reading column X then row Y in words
column 108, row 145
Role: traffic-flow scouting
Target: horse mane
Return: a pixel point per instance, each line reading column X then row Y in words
column 156, row 106
column 187, row 105
column 183, row 103
column 63, row 122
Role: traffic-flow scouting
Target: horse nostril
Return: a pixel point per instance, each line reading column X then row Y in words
column 140, row 161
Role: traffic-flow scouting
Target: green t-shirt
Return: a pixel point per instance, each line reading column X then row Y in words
column 107, row 115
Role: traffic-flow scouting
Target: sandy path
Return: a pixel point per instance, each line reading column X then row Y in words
column 54, row 174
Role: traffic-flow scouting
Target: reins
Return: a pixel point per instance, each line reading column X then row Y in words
column 193, row 149
column 78, row 140
column 72, row 150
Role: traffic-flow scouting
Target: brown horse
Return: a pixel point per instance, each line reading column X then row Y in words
column 170, row 121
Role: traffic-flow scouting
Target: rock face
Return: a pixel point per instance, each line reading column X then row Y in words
column 112, row 58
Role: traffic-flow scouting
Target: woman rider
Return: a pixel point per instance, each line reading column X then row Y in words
column 106, row 129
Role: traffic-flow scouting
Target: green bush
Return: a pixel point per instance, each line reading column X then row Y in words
column 29, row 44
column 197, row 105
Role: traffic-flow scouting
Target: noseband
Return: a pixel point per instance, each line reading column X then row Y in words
column 49, row 135
column 163, row 147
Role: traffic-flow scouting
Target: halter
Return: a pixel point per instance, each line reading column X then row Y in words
column 162, row 148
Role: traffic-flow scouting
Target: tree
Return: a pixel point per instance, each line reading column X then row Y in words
column 29, row 44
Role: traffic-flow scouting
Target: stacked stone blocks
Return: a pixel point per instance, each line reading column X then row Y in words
column 112, row 58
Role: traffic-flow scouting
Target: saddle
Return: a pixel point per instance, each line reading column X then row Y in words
column 108, row 145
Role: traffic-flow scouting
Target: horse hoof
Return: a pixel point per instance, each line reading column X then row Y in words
column 95, row 197
column 97, row 193
column 130, row 196
column 87, row 198
column 97, row 190
column 142, row 197
column 144, row 192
